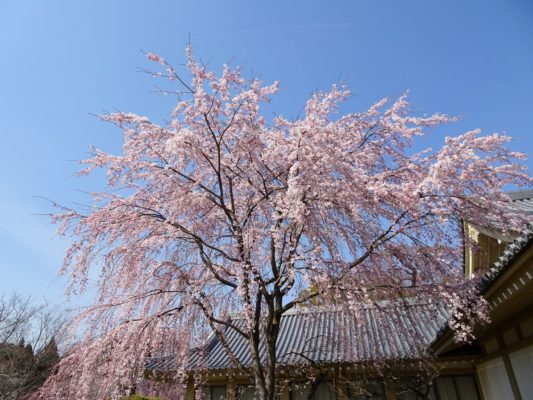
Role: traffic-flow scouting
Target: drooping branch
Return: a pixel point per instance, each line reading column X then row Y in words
column 223, row 211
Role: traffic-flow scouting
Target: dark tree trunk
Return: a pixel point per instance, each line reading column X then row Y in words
column 264, row 370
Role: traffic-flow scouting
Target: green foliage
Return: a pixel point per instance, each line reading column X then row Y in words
column 139, row 397
column 311, row 291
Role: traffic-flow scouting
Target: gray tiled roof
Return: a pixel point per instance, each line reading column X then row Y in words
column 326, row 336
column 523, row 200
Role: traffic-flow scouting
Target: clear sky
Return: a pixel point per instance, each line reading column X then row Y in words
column 62, row 61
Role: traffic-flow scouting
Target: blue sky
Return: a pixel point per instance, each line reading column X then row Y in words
column 62, row 61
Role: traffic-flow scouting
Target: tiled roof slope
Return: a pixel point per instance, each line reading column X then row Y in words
column 327, row 336
column 511, row 252
column 523, row 199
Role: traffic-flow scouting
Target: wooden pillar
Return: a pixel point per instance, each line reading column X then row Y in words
column 189, row 391
column 284, row 393
column 340, row 389
column 231, row 390
column 389, row 390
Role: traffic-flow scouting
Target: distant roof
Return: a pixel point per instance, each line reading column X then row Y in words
column 523, row 199
column 325, row 337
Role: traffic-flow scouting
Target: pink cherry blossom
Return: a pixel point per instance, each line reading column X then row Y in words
column 220, row 211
